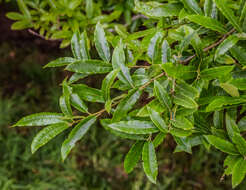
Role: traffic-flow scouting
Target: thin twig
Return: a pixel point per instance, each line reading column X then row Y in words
column 152, row 80
column 187, row 60
column 40, row 36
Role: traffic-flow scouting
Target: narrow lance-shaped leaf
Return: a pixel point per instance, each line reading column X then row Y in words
column 39, row 119
column 89, row 8
column 101, row 43
column 133, row 156
column 238, row 172
column 208, row 5
column 78, row 103
column 216, row 72
column 228, row 13
column 165, row 52
column 108, row 82
column 75, row 46
column 65, row 99
column 126, row 104
column 118, row 62
column 46, row 134
column 162, row 95
column 61, row 62
column 182, row 123
column 192, row 5
column 89, row 67
column 84, row 46
column 207, row 22
column 149, row 161
column 158, row 120
column 185, row 101
column 240, row 143
column 76, row 134
column 154, row 48
column 159, row 138
column 230, row 89
column 221, row 144
column 226, row 45
column 106, row 122
column 134, row 127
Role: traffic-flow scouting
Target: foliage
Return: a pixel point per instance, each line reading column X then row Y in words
column 60, row 19
column 183, row 78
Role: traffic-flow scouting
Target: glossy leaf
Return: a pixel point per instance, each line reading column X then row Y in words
column 61, row 62
column 192, row 6
column 46, row 134
column 165, row 52
column 182, row 123
column 78, row 103
column 159, row 138
column 228, row 13
column 126, row 104
column 149, row 161
column 101, row 43
column 76, row 134
column 154, row 48
column 134, row 127
column 133, row 156
column 108, row 82
column 185, row 101
column 226, row 45
column 89, row 67
column 240, row 143
column 221, row 144
column 162, row 95
column 216, row 72
column 39, row 119
column 158, row 120
column 230, row 89
column 207, row 22
column 238, row 172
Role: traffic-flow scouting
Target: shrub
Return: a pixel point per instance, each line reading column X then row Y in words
column 184, row 77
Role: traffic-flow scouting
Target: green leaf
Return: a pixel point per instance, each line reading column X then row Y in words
column 154, row 48
column 182, row 123
column 186, row 89
column 149, row 161
column 126, row 105
column 216, row 72
column 238, row 172
column 89, row 67
column 61, row 62
column 159, row 138
column 240, row 143
column 162, row 95
column 230, row 162
column 134, row 127
column 207, row 22
column 231, row 126
column 180, row 132
column 208, row 6
column 192, row 6
column 101, row 43
column 15, row 16
column 118, row 62
column 78, row 103
column 84, row 46
column 133, row 156
column 88, row 94
column 65, row 106
column 185, row 101
column 75, row 46
column 230, row 89
column 154, row 9
column 46, row 134
column 154, row 104
column 106, row 122
column 226, row 45
column 39, row 119
column 107, row 83
column 20, row 25
column 76, row 134
column 183, row 144
column 239, row 54
column 23, row 8
column 221, row 101
column 158, row 120
column 228, row 13
column 76, row 76
column 221, row 144
column 166, row 54
column 89, row 8
column 239, row 83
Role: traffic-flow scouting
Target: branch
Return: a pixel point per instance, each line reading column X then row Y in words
column 40, row 36
column 187, row 60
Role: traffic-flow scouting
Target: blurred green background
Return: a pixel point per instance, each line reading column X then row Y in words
column 96, row 162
